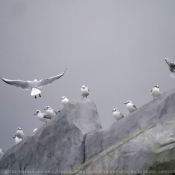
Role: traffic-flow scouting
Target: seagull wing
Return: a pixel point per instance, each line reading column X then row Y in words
column 170, row 64
column 55, row 111
column 45, row 82
column 18, row 83
column 135, row 106
column 46, row 116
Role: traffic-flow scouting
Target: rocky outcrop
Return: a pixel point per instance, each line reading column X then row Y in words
column 56, row 146
column 142, row 142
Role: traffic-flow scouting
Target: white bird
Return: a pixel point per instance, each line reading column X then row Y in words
column 84, row 91
column 33, row 85
column 64, row 100
column 130, row 106
column 17, row 139
column 42, row 116
column 2, row 152
column 117, row 115
column 35, row 130
column 155, row 91
column 19, row 133
column 50, row 112
column 171, row 67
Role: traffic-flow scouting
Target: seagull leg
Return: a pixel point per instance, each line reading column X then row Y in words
column 35, row 96
column 39, row 95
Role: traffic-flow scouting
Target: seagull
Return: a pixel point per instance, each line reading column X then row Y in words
column 117, row 115
column 155, row 91
column 17, row 139
column 2, row 152
column 33, row 85
column 50, row 112
column 130, row 106
column 84, row 91
column 19, row 133
column 64, row 100
column 171, row 67
column 42, row 116
column 35, row 130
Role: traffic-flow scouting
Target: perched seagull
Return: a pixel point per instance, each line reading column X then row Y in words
column 130, row 106
column 117, row 115
column 50, row 112
column 2, row 152
column 19, row 133
column 64, row 101
column 17, row 139
column 84, row 91
column 35, row 130
column 42, row 116
column 171, row 67
column 33, row 85
column 155, row 91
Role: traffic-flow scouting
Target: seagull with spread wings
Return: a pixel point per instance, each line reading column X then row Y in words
column 33, row 85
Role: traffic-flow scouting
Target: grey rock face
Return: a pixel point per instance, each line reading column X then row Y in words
column 141, row 143
column 56, row 146
column 157, row 111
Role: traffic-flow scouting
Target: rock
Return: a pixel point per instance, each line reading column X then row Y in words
column 56, row 146
column 142, row 142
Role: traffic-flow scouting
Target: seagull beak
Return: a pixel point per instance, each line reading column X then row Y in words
column 125, row 103
column 35, row 114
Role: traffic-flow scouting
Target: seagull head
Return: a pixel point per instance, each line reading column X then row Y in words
column 63, row 97
column 115, row 109
column 83, row 87
column 156, row 86
column 129, row 101
column 47, row 107
column 37, row 111
column 19, row 128
column 14, row 136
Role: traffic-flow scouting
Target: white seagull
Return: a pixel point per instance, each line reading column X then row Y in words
column 19, row 133
column 50, row 112
column 64, row 100
column 42, row 116
column 2, row 152
column 17, row 139
column 33, row 85
column 84, row 91
column 117, row 115
column 171, row 67
column 155, row 91
column 130, row 106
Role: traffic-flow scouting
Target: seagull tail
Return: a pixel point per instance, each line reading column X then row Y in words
column 172, row 75
column 35, row 91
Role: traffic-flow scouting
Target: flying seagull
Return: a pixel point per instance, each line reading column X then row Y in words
column 171, row 67
column 33, row 85
column 130, row 106
column 155, row 91
column 117, row 115
column 84, row 91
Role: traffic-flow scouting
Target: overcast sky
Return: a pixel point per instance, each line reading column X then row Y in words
column 115, row 47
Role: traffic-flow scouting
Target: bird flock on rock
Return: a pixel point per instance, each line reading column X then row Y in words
column 50, row 113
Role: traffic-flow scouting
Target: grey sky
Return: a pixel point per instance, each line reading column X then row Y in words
column 115, row 47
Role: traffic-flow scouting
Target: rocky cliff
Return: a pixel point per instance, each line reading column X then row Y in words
column 141, row 143
column 58, row 145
